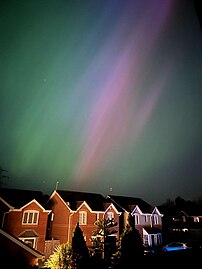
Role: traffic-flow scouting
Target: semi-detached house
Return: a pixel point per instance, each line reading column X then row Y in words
column 44, row 221
column 148, row 219
column 71, row 207
column 24, row 214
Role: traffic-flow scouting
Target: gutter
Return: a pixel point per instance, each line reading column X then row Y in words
column 68, row 236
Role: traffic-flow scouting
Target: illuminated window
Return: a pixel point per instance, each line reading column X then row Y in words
column 196, row 219
column 110, row 215
column 30, row 217
column 82, row 218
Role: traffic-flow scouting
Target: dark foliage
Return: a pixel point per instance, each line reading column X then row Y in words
column 131, row 246
column 79, row 247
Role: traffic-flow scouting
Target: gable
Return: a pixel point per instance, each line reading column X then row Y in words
column 136, row 210
column 56, row 198
column 84, row 205
column 112, row 207
column 124, row 203
column 74, row 199
column 34, row 205
column 156, row 211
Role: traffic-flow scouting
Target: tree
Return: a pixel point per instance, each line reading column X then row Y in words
column 103, row 238
column 62, row 258
column 131, row 245
column 79, row 248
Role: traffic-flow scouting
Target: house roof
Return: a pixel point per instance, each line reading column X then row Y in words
column 125, row 203
column 9, row 237
column 152, row 230
column 28, row 233
column 74, row 199
column 18, row 198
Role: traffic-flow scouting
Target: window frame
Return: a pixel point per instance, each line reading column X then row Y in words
column 137, row 219
column 82, row 218
column 30, row 241
column 30, row 217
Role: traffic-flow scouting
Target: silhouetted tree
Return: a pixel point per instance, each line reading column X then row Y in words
column 180, row 203
column 131, row 245
column 103, row 237
column 79, row 248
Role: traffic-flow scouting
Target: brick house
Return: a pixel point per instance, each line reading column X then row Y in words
column 17, row 254
column 23, row 213
column 148, row 219
column 71, row 207
column 44, row 221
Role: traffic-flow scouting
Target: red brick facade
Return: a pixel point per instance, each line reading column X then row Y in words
column 64, row 220
column 13, row 223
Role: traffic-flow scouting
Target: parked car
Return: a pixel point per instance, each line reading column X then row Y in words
column 175, row 246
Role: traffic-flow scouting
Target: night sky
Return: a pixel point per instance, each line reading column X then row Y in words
column 102, row 96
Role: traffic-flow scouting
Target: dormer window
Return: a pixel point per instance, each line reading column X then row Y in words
column 30, row 217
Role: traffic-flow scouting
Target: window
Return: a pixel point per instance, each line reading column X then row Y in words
column 145, row 240
column 196, row 219
column 82, row 218
column 155, row 219
column 146, row 218
column 110, row 215
column 30, row 217
column 136, row 219
column 29, row 241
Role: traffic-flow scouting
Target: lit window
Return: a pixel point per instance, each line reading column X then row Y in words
column 30, row 217
column 82, row 218
column 110, row 215
column 196, row 219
